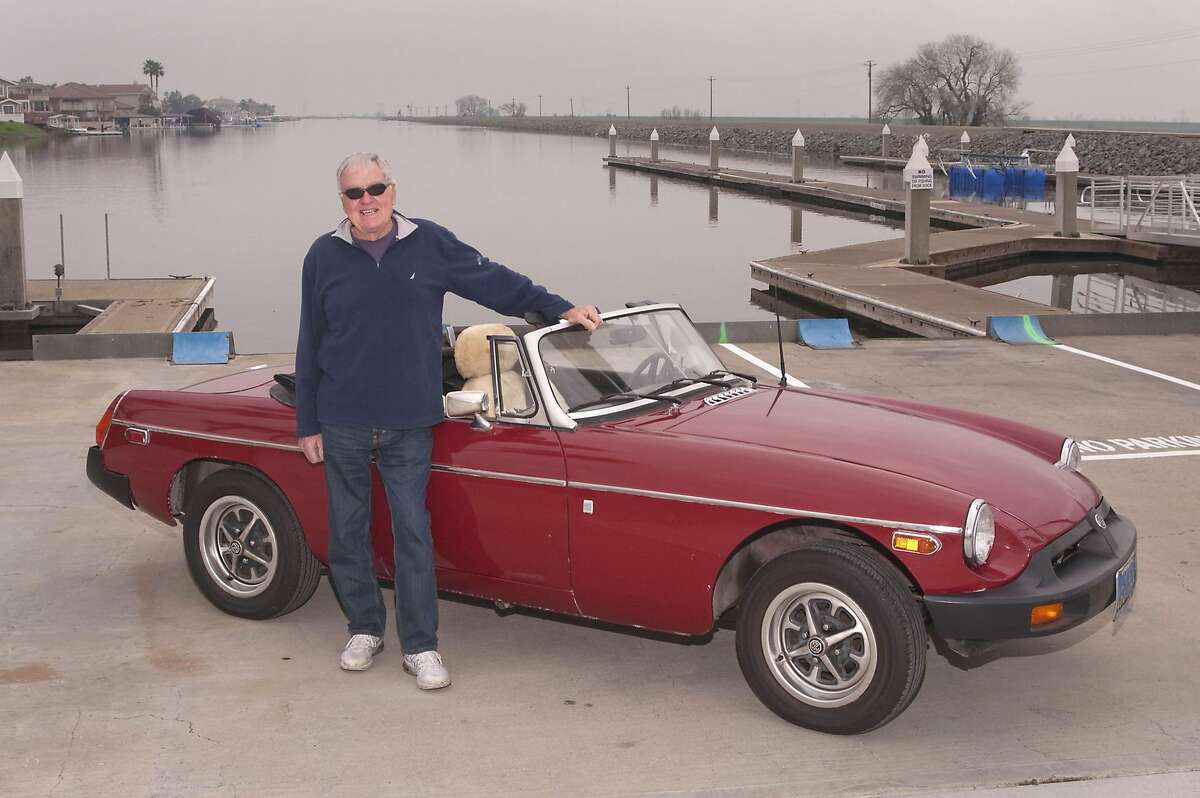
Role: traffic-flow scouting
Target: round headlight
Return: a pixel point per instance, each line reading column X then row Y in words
column 979, row 533
column 1070, row 456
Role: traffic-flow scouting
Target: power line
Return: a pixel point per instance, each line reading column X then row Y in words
column 1113, row 44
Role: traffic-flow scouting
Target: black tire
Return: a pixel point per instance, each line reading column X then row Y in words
column 865, row 679
column 245, row 549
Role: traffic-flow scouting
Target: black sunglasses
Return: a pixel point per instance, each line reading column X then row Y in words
column 375, row 189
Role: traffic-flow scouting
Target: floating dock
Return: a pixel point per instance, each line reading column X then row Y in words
column 119, row 318
column 983, row 244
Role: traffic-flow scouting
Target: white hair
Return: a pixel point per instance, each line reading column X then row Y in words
column 364, row 159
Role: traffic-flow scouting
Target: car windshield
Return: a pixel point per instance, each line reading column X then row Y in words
column 628, row 357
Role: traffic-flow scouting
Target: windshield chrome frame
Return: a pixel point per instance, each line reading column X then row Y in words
column 559, row 417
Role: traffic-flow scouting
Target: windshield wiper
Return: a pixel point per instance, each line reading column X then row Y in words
column 623, row 395
column 715, row 372
column 682, row 381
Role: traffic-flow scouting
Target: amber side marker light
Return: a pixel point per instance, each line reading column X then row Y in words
column 1043, row 614
column 105, row 420
column 915, row 544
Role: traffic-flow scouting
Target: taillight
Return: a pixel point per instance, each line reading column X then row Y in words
column 105, row 420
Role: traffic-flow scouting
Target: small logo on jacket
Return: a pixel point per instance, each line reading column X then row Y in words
column 412, row 276
column 1100, row 521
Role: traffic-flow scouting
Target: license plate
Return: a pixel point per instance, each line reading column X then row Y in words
column 1126, row 579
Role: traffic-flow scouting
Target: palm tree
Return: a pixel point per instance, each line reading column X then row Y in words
column 154, row 70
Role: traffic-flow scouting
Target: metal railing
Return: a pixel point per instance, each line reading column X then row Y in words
column 1152, row 208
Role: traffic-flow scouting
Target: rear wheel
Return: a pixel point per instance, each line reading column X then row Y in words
column 245, row 549
column 830, row 638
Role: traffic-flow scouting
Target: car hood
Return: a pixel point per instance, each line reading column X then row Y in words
column 1011, row 477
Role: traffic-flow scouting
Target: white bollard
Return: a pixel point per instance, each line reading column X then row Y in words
column 654, row 145
column 918, row 185
column 612, row 141
column 1066, row 192
column 964, row 144
column 714, row 150
column 13, row 298
column 886, row 137
column 798, row 157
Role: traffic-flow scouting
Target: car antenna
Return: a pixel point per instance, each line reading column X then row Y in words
column 779, row 335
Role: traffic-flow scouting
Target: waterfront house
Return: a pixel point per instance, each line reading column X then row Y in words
column 36, row 97
column 12, row 108
column 98, row 106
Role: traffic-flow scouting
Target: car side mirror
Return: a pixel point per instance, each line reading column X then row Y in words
column 461, row 404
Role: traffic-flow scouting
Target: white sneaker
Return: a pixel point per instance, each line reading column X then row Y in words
column 427, row 666
column 360, row 652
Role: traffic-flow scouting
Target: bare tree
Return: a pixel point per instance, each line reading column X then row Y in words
column 961, row 80
column 512, row 109
column 473, row 105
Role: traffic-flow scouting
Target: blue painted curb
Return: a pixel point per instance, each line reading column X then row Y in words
column 1018, row 330
column 194, row 348
column 825, row 333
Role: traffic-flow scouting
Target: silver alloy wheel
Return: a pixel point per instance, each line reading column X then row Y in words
column 819, row 644
column 238, row 547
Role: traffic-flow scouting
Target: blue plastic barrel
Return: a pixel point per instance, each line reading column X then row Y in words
column 992, row 189
column 1035, row 184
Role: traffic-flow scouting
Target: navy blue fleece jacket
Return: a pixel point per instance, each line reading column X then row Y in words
column 369, row 349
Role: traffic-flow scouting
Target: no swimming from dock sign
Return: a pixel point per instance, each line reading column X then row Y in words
column 919, row 179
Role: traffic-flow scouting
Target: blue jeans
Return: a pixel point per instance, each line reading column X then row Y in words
column 404, row 457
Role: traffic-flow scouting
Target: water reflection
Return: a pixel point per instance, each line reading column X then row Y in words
column 653, row 190
column 713, row 216
column 1151, row 290
column 796, row 228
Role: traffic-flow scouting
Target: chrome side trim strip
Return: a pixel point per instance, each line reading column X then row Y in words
column 208, row 436
column 768, row 508
column 478, row 472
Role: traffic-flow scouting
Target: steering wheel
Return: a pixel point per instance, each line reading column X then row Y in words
column 652, row 370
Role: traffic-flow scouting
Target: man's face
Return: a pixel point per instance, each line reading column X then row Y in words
column 371, row 216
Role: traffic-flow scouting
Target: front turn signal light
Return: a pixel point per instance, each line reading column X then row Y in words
column 1043, row 614
column 914, row 543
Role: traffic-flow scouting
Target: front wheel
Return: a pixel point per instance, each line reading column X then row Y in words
column 830, row 638
column 245, row 549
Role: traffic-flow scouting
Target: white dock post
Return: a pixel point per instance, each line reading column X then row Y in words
column 714, row 150
column 964, row 145
column 918, row 185
column 798, row 157
column 654, row 145
column 1071, row 141
column 1066, row 192
column 612, row 141
column 13, row 303
column 886, row 138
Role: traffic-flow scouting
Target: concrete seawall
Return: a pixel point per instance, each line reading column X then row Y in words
column 1100, row 152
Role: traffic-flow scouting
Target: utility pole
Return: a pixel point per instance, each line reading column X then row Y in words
column 710, row 96
column 572, row 106
column 870, row 110
column 539, row 105
column 627, row 101
column 514, row 107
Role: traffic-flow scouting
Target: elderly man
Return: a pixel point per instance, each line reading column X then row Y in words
column 368, row 381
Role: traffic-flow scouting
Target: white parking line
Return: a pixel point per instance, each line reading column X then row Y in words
column 1137, row 455
column 764, row 365
column 1129, row 366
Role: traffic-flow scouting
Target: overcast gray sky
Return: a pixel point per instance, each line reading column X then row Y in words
column 770, row 57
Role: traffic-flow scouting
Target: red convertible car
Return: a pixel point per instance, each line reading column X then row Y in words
column 625, row 475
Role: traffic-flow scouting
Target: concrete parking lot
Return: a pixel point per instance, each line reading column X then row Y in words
column 117, row 678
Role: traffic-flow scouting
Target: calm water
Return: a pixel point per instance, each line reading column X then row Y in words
column 243, row 205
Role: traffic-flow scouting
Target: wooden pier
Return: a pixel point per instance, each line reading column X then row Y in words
column 119, row 318
column 869, row 281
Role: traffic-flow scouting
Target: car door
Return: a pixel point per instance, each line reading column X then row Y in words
column 497, row 499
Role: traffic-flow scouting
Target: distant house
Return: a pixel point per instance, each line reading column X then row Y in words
column 203, row 118
column 12, row 108
column 99, row 105
column 223, row 106
column 37, row 97
column 134, row 121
